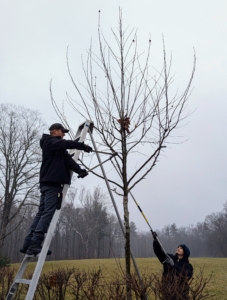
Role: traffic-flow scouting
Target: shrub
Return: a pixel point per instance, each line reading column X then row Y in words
column 4, row 261
column 73, row 283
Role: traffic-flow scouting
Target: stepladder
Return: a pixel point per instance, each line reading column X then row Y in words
column 32, row 283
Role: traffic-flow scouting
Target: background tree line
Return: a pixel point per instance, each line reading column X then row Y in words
column 88, row 229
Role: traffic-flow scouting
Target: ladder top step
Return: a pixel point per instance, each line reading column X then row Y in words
column 24, row 281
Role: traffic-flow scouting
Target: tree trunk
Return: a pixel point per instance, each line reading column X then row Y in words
column 5, row 218
column 127, row 246
column 126, row 215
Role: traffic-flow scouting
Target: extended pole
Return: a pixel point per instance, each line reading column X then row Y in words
column 154, row 234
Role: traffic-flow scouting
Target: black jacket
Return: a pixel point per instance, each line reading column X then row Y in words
column 181, row 266
column 175, row 279
column 56, row 161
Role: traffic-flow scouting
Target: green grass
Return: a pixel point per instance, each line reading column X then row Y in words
column 218, row 268
column 215, row 266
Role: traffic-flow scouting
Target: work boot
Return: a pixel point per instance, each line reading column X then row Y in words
column 27, row 242
column 35, row 249
column 25, row 246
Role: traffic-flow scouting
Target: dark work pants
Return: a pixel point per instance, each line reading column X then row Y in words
column 48, row 201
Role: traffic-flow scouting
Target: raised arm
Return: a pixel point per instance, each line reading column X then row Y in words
column 55, row 144
column 158, row 250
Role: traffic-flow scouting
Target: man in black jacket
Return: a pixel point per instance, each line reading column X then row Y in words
column 54, row 173
column 176, row 271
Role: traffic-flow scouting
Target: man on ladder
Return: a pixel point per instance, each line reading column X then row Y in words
column 54, row 173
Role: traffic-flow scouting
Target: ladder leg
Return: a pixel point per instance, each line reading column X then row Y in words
column 19, row 275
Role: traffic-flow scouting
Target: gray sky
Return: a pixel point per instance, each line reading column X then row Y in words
column 190, row 180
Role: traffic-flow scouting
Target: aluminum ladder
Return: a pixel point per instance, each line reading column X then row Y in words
column 80, row 137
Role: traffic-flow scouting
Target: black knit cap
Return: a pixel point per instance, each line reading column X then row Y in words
column 58, row 126
column 186, row 250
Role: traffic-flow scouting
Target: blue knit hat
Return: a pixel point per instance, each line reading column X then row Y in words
column 186, row 250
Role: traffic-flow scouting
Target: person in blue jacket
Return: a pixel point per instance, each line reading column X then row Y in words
column 177, row 271
column 55, row 170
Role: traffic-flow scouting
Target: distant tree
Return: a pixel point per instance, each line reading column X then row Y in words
column 20, row 131
column 225, row 207
column 166, row 231
column 4, row 261
column 16, row 236
column 86, row 219
column 133, row 234
column 173, row 230
column 116, row 239
column 216, row 232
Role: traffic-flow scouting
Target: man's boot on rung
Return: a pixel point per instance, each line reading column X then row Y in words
column 35, row 249
column 25, row 246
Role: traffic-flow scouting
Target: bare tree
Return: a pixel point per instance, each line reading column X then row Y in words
column 19, row 162
column 216, row 233
column 133, row 106
column 89, row 221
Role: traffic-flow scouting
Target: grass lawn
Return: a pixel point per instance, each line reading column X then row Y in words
column 217, row 267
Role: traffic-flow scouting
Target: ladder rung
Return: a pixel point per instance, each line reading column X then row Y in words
column 24, row 281
column 32, row 255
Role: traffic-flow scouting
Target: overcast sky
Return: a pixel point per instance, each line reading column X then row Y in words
column 189, row 182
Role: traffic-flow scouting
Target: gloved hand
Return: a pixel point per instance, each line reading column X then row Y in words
column 83, row 173
column 169, row 261
column 154, row 234
column 87, row 148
